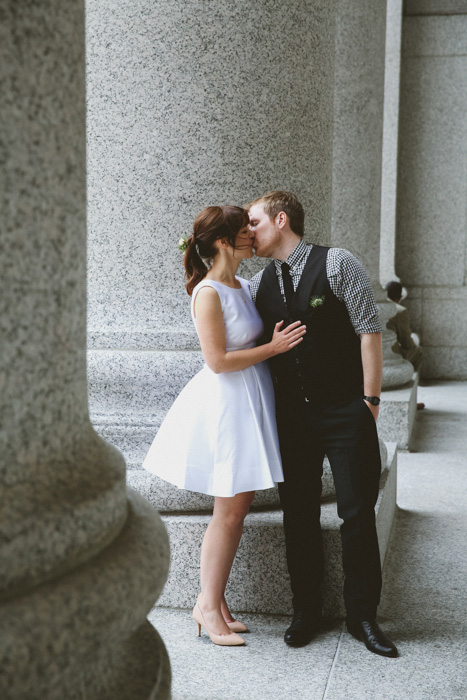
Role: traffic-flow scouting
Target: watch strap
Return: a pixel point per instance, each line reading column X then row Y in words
column 374, row 400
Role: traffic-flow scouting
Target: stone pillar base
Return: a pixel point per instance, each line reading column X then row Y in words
column 84, row 635
column 397, row 413
column 140, row 670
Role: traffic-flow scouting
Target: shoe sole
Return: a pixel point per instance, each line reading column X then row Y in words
column 297, row 645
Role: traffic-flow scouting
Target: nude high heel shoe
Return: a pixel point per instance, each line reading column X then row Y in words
column 224, row 640
column 237, row 626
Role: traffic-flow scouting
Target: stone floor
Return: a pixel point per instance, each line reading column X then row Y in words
column 424, row 603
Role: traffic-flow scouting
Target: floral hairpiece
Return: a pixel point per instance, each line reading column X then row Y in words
column 183, row 243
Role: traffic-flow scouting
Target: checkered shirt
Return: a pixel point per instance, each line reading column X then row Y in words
column 348, row 280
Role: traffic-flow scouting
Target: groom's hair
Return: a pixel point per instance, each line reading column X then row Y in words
column 276, row 201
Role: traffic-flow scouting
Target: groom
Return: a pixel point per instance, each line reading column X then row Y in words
column 327, row 402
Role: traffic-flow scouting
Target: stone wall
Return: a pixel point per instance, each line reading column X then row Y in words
column 213, row 104
column 431, row 230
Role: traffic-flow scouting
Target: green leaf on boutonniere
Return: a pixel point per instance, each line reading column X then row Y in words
column 315, row 301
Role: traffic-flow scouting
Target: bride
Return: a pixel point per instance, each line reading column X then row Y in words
column 219, row 437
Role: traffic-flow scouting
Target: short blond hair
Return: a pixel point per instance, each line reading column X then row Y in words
column 276, row 201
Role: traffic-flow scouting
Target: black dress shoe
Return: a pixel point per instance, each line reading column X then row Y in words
column 369, row 632
column 302, row 629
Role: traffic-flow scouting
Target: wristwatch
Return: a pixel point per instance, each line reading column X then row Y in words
column 374, row 400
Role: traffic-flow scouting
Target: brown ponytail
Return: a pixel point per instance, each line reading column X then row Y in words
column 209, row 226
column 195, row 268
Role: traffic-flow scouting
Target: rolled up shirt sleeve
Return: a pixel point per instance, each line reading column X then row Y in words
column 351, row 284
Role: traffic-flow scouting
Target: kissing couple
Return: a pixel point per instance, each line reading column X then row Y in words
column 293, row 367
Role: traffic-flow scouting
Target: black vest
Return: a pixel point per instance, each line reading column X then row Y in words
column 326, row 367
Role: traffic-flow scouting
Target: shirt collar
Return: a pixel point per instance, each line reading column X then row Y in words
column 295, row 256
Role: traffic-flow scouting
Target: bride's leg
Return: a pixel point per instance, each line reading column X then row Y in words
column 226, row 614
column 217, row 554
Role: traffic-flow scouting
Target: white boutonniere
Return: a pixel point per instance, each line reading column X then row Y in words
column 315, row 301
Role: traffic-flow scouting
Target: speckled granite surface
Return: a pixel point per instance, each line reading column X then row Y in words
column 138, row 383
column 166, row 497
column 187, row 107
column 358, row 129
column 78, row 625
column 264, row 669
column 358, row 148
column 129, row 394
column 392, row 74
column 81, row 560
column 134, row 437
column 398, row 409
column 57, row 508
column 181, row 115
column 431, row 197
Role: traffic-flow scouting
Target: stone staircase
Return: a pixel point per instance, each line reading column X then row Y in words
column 259, row 578
column 130, row 393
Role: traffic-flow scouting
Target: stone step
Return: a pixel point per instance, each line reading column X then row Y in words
column 137, row 381
column 397, row 413
column 259, row 580
column 133, row 440
column 132, row 434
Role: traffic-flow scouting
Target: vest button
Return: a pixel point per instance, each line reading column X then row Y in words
column 297, row 360
column 307, row 400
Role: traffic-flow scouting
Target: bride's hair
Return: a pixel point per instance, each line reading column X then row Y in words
column 209, row 226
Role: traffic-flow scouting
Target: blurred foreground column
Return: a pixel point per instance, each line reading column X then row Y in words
column 81, row 559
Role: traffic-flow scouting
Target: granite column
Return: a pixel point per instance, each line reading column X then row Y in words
column 358, row 149
column 212, row 103
column 81, row 559
column 189, row 106
column 392, row 74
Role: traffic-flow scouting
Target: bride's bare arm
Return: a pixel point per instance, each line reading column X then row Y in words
column 211, row 331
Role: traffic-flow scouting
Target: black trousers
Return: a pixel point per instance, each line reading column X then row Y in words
column 347, row 435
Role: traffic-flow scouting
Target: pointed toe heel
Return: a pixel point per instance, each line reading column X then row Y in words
column 237, row 626
column 223, row 640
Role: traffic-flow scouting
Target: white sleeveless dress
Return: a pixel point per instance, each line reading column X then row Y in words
column 220, row 436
